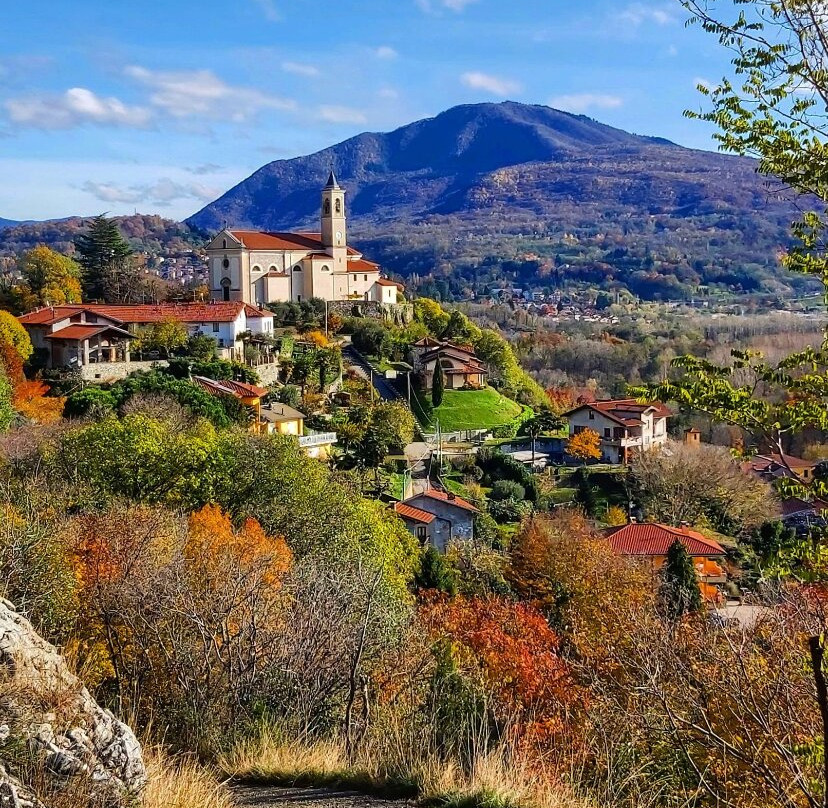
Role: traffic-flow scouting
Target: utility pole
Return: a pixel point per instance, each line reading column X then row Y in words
column 408, row 379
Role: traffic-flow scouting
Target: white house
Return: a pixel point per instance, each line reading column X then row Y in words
column 83, row 334
column 624, row 426
column 259, row 268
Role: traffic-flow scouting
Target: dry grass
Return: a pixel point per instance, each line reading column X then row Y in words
column 181, row 783
column 494, row 779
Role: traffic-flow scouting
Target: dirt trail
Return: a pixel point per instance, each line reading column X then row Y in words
column 278, row 797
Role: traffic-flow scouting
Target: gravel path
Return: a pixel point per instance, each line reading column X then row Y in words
column 278, row 797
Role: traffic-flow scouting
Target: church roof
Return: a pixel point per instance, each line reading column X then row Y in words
column 332, row 184
column 259, row 240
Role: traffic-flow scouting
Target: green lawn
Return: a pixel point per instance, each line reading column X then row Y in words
column 471, row 409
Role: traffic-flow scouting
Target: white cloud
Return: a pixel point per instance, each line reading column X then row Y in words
column 269, row 10
column 204, row 168
column 385, row 52
column 637, row 14
column 581, row 102
column 335, row 114
column 162, row 193
column 491, row 84
column 388, row 93
column 434, row 6
column 75, row 107
column 202, row 94
column 301, row 69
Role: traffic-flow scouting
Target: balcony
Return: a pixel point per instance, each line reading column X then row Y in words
column 317, row 439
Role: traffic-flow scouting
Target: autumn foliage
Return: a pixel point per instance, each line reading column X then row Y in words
column 511, row 647
column 585, row 445
column 31, row 400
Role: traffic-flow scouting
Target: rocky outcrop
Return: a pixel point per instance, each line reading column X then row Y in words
column 45, row 709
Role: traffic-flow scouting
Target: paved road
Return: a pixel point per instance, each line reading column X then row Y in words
column 419, row 457
column 386, row 391
column 278, row 797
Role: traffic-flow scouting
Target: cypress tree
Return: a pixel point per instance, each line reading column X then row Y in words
column 104, row 256
column 435, row 573
column 680, row 591
column 437, row 385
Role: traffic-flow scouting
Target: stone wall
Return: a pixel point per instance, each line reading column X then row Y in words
column 114, row 371
column 394, row 313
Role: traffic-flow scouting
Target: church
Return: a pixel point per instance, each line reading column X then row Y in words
column 260, row 268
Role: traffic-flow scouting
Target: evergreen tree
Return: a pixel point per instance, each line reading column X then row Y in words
column 106, row 260
column 437, row 386
column 680, row 591
column 435, row 573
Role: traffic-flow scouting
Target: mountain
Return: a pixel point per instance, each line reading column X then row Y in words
column 490, row 194
column 427, row 167
column 4, row 223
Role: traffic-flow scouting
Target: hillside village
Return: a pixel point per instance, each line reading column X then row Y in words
column 516, row 499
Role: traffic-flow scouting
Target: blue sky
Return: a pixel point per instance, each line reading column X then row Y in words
column 162, row 105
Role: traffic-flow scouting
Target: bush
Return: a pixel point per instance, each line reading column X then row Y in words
column 507, row 489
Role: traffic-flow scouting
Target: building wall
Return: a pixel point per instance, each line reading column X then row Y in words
column 460, row 522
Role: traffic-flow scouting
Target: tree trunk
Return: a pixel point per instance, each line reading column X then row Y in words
column 817, row 657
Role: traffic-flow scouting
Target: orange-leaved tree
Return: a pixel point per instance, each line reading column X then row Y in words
column 512, row 652
column 569, row 573
column 584, row 445
column 31, row 400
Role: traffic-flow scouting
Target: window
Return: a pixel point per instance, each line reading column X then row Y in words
column 225, row 263
column 607, row 432
column 592, row 415
column 257, row 269
column 224, row 244
column 365, row 277
column 327, row 207
column 215, row 328
column 579, row 429
column 338, row 205
column 326, row 269
column 272, row 268
column 422, row 535
column 297, row 269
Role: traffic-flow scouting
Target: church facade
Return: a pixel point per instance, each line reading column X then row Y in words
column 259, row 268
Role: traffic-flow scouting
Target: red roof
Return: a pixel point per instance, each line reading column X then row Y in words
column 626, row 411
column 652, row 539
column 415, row 514
column 81, row 331
column 260, row 240
column 220, row 312
column 230, row 387
column 793, row 505
column 362, row 265
column 442, row 496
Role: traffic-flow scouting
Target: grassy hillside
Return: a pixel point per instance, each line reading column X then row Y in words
column 470, row 409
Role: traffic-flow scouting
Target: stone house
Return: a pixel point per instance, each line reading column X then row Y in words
column 437, row 517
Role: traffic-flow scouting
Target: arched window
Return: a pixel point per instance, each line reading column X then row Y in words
column 224, row 244
column 326, row 269
column 297, row 269
column 327, row 207
column 225, row 289
column 257, row 269
column 338, row 205
column 273, row 268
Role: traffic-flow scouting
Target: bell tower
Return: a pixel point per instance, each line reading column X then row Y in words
column 333, row 216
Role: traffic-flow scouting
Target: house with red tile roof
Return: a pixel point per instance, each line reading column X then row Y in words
column 460, row 366
column 261, row 267
column 624, row 426
column 772, row 467
column 96, row 335
column 437, row 517
column 651, row 541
